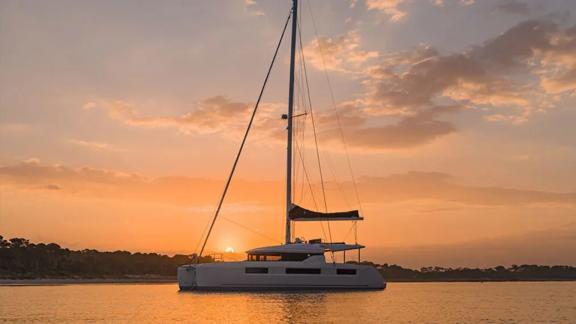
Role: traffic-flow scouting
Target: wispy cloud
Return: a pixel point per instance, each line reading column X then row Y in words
column 91, row 144
column 15, row 128
column 214, row 114
column 341, row 53
column 512, row 7
column 444, row 187
column 407, row 132
column 550, row 246
column 252, row 8
column 181, row 190
column 392, row 8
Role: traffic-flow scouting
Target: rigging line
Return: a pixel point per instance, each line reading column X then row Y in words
column 350, row 230
column 308, row 181
column 301, row 155
column 303, row 67
column 300, row 140
column 305, row 171
column 244, row 139
column 312, row 194
column 355, row 228
column 298, row 129
column 337, row 182
column 295, row 129
column 350, row 169
column 297, row 173
column 313, row 126
column 314, row 130
column 251, row 229
column 300, row 126
column 201, row 236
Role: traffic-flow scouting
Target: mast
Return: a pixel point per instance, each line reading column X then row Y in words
column 290, row 113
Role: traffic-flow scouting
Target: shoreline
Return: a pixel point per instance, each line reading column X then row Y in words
column 76, row 281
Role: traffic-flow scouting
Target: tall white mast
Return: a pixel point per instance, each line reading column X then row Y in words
column 290, row 114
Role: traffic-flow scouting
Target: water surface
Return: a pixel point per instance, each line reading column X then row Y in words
column 507, row 302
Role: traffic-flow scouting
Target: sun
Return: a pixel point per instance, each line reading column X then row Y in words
column 229, row 250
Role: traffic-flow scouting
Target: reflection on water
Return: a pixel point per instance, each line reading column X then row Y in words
column 399, row 303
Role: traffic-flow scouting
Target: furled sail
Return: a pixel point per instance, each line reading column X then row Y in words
column 298, row 213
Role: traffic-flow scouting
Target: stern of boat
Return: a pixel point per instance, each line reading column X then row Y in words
column 187, row 277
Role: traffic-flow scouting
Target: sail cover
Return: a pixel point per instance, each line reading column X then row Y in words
column 298, row 213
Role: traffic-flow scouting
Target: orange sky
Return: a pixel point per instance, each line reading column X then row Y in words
column 119, row 123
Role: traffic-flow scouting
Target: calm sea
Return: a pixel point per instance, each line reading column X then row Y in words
column 511, row 302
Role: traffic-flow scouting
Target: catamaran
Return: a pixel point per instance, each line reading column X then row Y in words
column 297, row 264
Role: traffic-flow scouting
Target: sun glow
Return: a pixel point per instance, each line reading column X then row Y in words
column 229, row 250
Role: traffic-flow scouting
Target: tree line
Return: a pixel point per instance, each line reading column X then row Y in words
column 21, row 259
column 525, row 272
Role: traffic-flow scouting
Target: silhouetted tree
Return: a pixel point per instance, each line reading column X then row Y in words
column 21, row 259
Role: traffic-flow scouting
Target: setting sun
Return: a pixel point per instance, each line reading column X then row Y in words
column 229, row 250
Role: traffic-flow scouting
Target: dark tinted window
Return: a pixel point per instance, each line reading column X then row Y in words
column 280, row 257
column 346, row 271
column 303, row 270
column 256, row 270
column 295, row 256
column 258, row 257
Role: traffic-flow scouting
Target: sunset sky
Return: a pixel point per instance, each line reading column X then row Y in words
column 119, row 122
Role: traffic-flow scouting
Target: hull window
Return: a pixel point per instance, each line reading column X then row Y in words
column 256, row 270
column 253, row 257
column 346, row 271
column 303, row 270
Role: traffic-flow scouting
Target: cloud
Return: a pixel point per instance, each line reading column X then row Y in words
column 395, row 12
column 542, row 48
column 252, row 8
column 211, row 115
column 512, row 7
column 443, row 187
column 496, row 77
column 458, row 77
column 438, row 3
column 91, row 144
column 32, row 171
column 560, row 83
column 389, row 7
column 410, row 131
column 181, row 190
column 552, row 246
column 15, row 128
column 514, row 47
column 442, row 3
column 115, row 185
column 407, row 96
column 50, row 187
column 340, row 53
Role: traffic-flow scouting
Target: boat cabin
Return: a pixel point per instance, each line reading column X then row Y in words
column 302, row 251
column 287, row 252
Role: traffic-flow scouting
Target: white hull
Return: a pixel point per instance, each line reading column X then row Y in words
column 235, row 276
